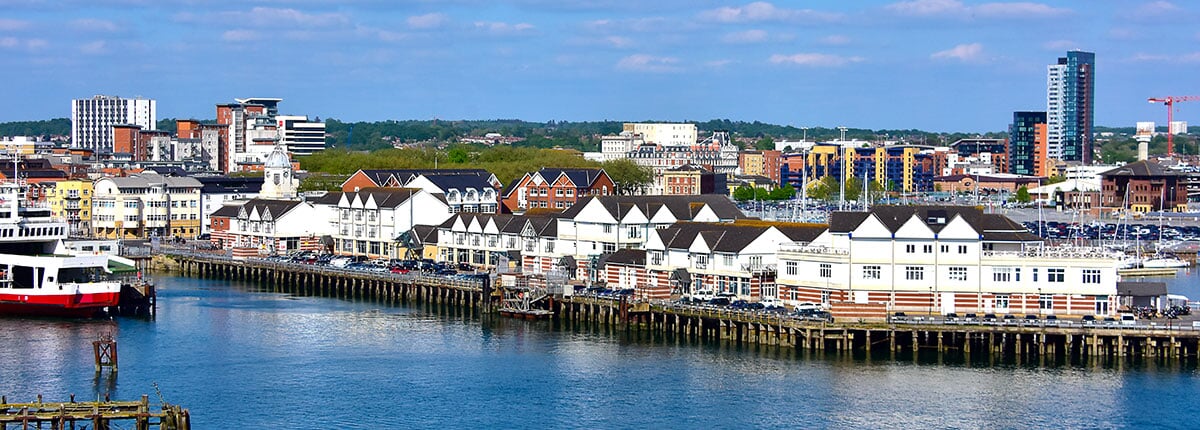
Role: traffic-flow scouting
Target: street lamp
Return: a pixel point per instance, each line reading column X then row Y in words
column 1039, row 302
column 931, row 302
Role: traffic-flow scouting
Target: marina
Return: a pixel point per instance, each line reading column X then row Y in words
column 1031, row 336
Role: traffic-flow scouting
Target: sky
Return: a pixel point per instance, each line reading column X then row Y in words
column 937, row 65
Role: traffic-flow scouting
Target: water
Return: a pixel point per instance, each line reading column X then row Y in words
column 238, row 358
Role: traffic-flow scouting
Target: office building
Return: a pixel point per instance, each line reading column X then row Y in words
column 1025, row 142
column 1070, row 106
column 92, row 119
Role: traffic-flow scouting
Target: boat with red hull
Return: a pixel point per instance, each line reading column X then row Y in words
column 39, row 275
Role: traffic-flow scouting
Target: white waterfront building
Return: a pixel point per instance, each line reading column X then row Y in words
column 942, row 260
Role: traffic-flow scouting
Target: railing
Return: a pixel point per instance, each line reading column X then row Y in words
column 1088, row 253
column 813, row 249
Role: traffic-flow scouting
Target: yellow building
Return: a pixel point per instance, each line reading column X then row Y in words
column 72, row 201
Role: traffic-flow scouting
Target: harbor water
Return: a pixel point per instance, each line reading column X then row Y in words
column 242, row 358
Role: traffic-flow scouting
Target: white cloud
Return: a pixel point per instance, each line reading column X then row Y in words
column 835, row 39
column 814, row 59
column 1156, row 9
column 966, row 52
column 763, row 11
column 648, row 63
column 1123, row 34
column 1189, row 58
column 239, row 35
column 619, row 41
column 956, row 9
column 13, row 24
column 28, row 44
column 89, row 24
column 639, row 25
column 94, row 48
column 716, row 64
column 1058, row 45
column 748, row 36
column 427, row 21
column 504, row 27
column 267, row 17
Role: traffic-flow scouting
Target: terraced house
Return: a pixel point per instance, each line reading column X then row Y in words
column 556, row 188
column 489, row 240
column 146, row 205
column 370, row 222
column 945, row 260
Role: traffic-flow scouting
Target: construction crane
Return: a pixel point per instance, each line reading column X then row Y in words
column 1170, row 102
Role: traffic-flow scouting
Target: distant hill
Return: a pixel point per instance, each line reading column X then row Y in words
column 57, row 126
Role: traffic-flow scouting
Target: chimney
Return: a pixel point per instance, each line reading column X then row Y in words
column 1143, row 150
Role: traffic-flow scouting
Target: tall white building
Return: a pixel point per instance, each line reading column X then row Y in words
column 92, row 119
column 1055, row 114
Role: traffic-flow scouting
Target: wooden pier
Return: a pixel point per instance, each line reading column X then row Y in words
column 99, row 415
column 1071, row 339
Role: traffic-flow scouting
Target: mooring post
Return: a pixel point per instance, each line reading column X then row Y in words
column 105, row 351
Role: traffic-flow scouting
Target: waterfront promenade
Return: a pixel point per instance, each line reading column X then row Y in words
column 1022, row 337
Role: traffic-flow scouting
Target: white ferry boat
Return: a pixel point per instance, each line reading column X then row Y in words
column 38, row 274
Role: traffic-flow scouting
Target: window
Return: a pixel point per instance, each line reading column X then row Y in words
column 791, row 268
column 910, row 248
column 958, row 273
column 656, row 257
column 610, row 248
column 608, row 228
column 945, row 249
column 755, row 261
column 1001, row 274
column 1034, row 274
column 701, row 261
column 1002, row 301
column 826, row 270
column 1055, row 275
column 871, row 272
column 1091, row 276
column 914, row 273
column 928, row 249
column 825, row 297
column 1046, row 301
column 962, row 249
column 728, row 260
column 1101, row 305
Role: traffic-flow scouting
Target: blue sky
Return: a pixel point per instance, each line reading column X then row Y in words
column 942, row 65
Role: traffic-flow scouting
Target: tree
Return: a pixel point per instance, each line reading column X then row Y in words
column 628, row 176
column 766, row 143
column 761, row 194
column 783, row 193
column 1022, row 195
column 457, row 155
column 743, row 193
column 1055, row 179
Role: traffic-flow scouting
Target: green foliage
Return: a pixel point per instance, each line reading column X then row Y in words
column 1055, row 179
column 321, row 182
column 628, row 176
column 43, row 129
column 505, row 162
column 743, row 193
column 1022, row 195
column 765, row 143
column 783, row 193
column 457, row 155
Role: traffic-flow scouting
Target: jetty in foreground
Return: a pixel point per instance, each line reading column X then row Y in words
column 99, row 415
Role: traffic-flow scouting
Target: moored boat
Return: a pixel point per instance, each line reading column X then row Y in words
column 38, row 274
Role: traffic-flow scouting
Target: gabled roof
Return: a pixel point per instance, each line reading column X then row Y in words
column 725, row 237
column 227, row 211
column 994, row 227
column 1141, row 168
column 331, row 198
column 384, row 197
column 506, row 223
column 684, row 208
column 582, row 178
column 630, row 257
column 277, row 208
column 459, row 182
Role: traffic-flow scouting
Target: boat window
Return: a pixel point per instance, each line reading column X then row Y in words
column 22, row 277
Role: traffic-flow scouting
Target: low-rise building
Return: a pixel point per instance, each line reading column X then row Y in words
column 72, row 201
column 556, row 188
column 942, row 260
column 1144, row 186
column 146, row 205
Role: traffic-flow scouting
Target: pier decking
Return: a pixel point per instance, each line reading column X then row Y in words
column 96, row 415
column 1059, row 339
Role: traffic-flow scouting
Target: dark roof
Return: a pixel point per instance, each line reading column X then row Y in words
column 228, row 211
column 381, row 176
column 277, row 208
column 683, row 207
column 725, row 237
column 330, row 198
column 1141, row 289
column 171, row 171
column 459, row 182
column 581, row 177
column 426, row 234
column 990, row 178
column 994, row 227
column 1141, row 168
column 226, row 184
column 384, row 197
column 508, row 223
column 631, row 257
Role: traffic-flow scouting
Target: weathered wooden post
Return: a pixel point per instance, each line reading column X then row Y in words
column 105, row 351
